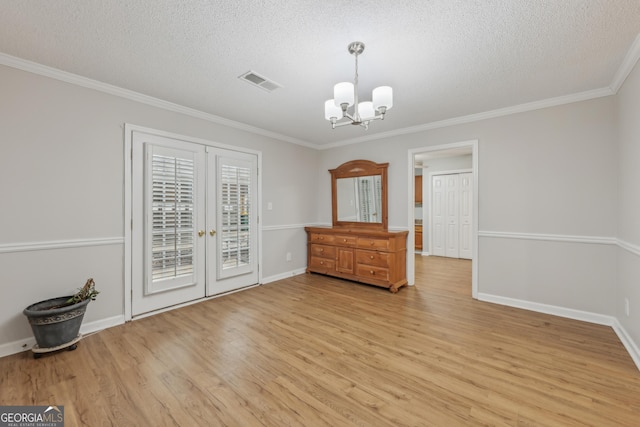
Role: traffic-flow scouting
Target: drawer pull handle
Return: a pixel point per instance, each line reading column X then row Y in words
column 371, row 256
column 344, row 240
column 321, row 262
column 322, row 250
column 373, row 272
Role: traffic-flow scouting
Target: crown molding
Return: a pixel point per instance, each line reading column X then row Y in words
column 54, row 73
column 629, row 61
column 530, row 106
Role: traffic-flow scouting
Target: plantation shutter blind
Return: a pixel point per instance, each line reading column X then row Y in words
column 170, row 219
column 235, row 217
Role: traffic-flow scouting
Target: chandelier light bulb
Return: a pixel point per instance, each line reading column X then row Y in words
column 366, row 111
column 331, row 111
column 343, row 93
column 382, row 98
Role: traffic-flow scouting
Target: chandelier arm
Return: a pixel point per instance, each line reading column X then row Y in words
column 340, row 124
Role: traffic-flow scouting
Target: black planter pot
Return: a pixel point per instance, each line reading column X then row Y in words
column 55, row 327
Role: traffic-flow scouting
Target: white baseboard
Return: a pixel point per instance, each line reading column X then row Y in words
column 569, row 313
column 98, row 325
column 285, row 275
column 628, row 343
column 86, row 328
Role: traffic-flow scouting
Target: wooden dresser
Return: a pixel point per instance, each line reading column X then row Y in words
column 374, row 257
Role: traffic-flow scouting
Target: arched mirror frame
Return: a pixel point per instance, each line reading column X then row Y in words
column 354, row 169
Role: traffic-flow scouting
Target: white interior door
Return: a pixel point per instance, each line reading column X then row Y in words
column 452, row 216
column 438, row 223
column 194, row 222
column 466, row 215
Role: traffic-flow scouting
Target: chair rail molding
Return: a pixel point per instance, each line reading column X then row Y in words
column 59, row 244
column 599, row 240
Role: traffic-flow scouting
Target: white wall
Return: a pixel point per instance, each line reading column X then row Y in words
column 62, row 178
column 628, row 283
column 552, row 172
column 447, row 164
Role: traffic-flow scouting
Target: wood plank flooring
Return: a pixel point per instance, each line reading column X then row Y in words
column 316, row 351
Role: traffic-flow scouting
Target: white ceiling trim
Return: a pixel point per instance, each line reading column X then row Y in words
column 54, row 73
column 536, row 105
column 630, row 60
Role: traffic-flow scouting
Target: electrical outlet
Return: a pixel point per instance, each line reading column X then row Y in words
column 626, row 306
column 288, row 256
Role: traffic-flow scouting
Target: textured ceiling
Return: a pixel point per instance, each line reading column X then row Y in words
column 443, row 58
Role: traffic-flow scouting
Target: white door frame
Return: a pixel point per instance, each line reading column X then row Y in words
column 411, row 273
column 129, row 129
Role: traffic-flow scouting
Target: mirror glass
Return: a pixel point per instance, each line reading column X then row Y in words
column 359, row 195
column 360, row 199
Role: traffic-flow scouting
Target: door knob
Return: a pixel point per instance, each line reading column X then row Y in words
column 212, row 232
column 201, row 233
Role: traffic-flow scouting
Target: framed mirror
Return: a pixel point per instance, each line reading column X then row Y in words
column 359, row 195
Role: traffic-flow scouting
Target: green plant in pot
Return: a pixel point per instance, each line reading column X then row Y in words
column 56, row 322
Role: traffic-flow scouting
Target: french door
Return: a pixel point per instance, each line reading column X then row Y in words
column 194, row 221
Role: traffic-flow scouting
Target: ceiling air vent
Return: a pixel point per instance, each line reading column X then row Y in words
column 262, row 82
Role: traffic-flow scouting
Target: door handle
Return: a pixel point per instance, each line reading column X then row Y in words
column 201, row 233
column 212, row 232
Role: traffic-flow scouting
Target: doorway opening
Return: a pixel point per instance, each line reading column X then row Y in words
column 431, row 231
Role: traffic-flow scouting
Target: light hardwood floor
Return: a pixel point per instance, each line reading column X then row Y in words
column 317, row 351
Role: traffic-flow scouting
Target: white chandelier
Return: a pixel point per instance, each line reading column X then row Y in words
column 345, row 95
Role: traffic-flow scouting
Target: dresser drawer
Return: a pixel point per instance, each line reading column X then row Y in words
column 369, row 271
column 378, row 259
column 346, row 241
column 322, row 238
column 323, row 251
column 322, row 264
column 367, row 242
